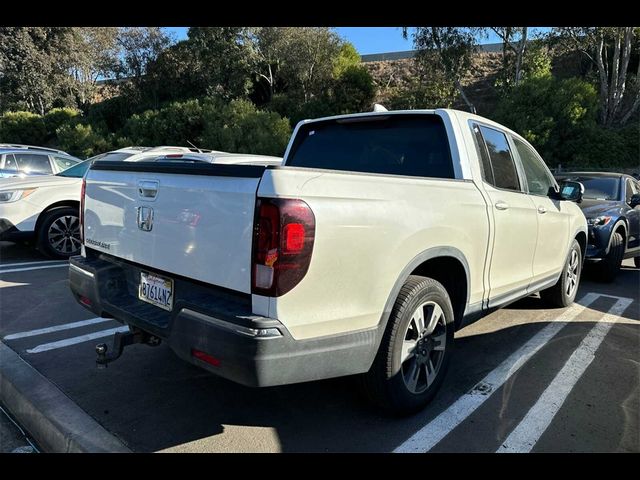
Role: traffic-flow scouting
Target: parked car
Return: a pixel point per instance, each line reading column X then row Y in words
column 26, row 160
column 611, row 203
column 379, row 235
column 135, row 154
column 45, row 208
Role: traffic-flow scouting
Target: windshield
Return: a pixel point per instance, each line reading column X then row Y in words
column 77, row 171
column 599, row 188
column 115, row 156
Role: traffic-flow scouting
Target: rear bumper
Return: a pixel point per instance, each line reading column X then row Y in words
column 249, row 349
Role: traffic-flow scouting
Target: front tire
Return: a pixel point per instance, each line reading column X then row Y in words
column 415, row 351
column 609, row 266
column 636, row 262
column 563, row 293
column 58, row 234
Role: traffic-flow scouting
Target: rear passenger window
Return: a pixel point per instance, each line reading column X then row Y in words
column 33, row 163
column 413, row 145
column 485, row 162
column 502, row 164
column 630, row 191
column 538, row 178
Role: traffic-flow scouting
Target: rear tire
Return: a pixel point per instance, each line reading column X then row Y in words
column 563, row 293
column 609, row 266
column 415, row 351
column 58, row 234
column 636, row 262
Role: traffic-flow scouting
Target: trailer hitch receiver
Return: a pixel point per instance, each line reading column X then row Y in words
column 121, row 340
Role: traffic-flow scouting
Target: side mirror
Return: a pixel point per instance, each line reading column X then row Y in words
column 569, row 190
column 635, row 200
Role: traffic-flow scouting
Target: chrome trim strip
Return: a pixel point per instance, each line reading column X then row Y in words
column 80, row 270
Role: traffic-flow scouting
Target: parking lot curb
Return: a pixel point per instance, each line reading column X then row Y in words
column 53, row 420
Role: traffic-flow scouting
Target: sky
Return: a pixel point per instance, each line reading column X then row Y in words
column 366, row 39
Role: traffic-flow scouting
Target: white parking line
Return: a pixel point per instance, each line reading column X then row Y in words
column 57, row 328
column 5, row 265
column 431, row 434
column 34, row 268
column 45, row 347
column 524, row 437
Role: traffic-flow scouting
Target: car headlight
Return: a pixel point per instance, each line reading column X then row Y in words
column 7, row 196
column 598, row 221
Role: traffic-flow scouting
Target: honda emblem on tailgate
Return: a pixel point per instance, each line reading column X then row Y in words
column 145, row 218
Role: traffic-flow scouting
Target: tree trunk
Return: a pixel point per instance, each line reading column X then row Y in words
column 520, row 54
column 636, row 103
column 604, row 89
column 621, row 80
column 631, row 111
column 613, row 90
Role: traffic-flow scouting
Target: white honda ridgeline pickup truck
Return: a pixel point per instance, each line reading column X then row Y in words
column 380, row 235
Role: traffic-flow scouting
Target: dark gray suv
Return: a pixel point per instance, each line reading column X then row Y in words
column 27, row 160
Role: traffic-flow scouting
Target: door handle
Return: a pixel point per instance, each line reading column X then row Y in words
column 541, row 209
column 147, row 188
column 502, row 205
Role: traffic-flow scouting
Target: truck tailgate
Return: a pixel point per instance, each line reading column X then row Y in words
column 192, row 220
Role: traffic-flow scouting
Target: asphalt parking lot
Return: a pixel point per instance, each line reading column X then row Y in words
column 523, row 379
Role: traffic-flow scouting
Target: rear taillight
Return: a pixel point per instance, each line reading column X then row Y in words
column 82, row 191
column 283, row 237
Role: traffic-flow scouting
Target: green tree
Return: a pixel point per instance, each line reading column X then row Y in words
column 450, row 50
column 81, row 140
column 514, row 45
column 559, row 117
column 34, row 63
column 312, row 54
column 239, row 127
column 222, row 60
column 56, row 118
column 22, row 127
column 138, row 48
column 212, row 61
column 609, row 50
column 301, row 61
column 177, row 123
column 348, row 57
column 421, row 93
column 353, row 90
column 93, row 54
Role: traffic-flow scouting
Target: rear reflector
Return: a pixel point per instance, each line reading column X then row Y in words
column 205, row 357
column 85, row 301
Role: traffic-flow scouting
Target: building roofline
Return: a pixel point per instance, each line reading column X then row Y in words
column 379, row 57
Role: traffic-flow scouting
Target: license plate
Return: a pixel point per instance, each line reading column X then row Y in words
column 156, row 290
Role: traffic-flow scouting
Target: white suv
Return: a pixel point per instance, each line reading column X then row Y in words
column 44, row 208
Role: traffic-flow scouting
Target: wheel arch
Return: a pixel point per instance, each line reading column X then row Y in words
column 581, row 237
column 619, row 227
column 425, row 264
column 431, row 262
column 62, row 203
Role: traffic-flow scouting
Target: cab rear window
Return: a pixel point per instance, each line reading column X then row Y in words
column 412, row 145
